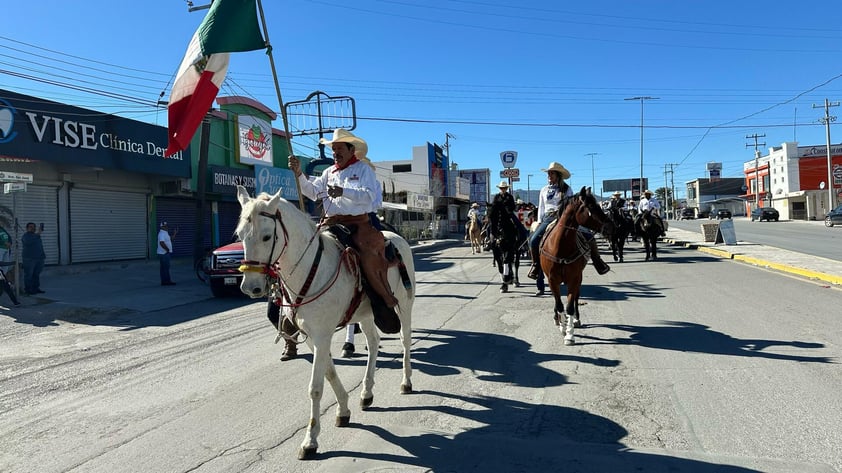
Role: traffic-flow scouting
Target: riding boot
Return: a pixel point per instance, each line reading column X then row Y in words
column 535, row 269
column 290, row 350
column 600, row 266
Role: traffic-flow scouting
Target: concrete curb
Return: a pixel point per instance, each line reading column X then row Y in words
column 725, row 254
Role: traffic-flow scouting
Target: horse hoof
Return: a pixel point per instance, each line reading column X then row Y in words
column 504, row 288
column 616, row 259
column 406, row 389
column 569, row 341
column 343, row 421
column 366, row 403
column 577, row 323
column 308, row 453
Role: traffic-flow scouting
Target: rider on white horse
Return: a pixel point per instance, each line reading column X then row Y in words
column 349, row 190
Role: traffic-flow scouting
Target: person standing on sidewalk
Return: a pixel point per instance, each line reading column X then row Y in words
column 165, row 253
column 32, row 253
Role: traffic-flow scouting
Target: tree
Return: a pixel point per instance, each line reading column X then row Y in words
column 661, row 194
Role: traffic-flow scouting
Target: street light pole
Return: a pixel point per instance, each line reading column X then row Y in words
column 593, row 175
column 642, row 99
column 528, row 188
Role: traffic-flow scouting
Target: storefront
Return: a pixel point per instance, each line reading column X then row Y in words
column 93, row 178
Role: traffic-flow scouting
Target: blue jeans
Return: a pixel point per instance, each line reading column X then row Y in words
column 165, row 267
column 535, row 239
column 32, row 274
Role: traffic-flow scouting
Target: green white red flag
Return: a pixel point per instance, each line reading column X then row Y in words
column 230, row 26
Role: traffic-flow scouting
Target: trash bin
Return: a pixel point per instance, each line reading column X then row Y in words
column 709, row 231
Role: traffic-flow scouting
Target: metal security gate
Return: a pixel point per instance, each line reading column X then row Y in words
column 37, row 204
column 229, row 216
column 107, row 225
column 180, row 214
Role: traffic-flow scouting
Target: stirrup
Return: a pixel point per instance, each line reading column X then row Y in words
column 533, row 272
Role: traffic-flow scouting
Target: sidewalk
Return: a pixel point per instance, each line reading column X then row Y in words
column 95, row 290
column 792, row 262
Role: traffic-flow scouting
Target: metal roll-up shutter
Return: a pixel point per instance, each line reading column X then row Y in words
column 38, row 204
column 180, row 214
column 229, row 216
column 107, row 225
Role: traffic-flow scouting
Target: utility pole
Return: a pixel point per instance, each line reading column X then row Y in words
column 666, row 191
column 642, row 99
column 756, row 165
column 593, row 178
column 672, row 188
column 826, row 120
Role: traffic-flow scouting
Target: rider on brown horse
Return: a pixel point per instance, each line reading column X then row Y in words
column 552, row 199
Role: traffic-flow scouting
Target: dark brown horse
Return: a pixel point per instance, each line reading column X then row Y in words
column 564, row 254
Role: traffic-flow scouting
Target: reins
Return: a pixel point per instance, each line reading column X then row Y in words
column 281, row 294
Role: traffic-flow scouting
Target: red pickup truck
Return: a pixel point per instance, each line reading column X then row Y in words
column 222, row 269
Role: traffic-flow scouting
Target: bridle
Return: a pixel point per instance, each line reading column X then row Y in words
column 270, row 267
column 279, row 292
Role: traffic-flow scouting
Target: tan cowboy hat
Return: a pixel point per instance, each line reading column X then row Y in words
column 554, row 166
column 503, row 184
column 474, row 205
column 647, row 191
column 617, row 193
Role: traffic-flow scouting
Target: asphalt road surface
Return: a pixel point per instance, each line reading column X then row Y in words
column 688, row 364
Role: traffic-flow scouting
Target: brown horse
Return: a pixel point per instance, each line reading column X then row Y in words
column 564, row 254
column 475, row 234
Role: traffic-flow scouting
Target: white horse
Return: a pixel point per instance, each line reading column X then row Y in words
column 282, row 246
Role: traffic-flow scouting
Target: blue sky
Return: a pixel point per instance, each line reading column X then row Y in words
column 547, row 79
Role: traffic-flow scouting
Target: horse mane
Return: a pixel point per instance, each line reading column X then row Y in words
column 261, row 202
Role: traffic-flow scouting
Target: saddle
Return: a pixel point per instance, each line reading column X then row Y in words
column 385, row 318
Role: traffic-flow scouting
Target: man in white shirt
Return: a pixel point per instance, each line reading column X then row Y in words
column 649, row 203
column 349, row 192
column 165, row 254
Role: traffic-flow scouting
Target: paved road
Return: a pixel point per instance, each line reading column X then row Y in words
column 664, row 378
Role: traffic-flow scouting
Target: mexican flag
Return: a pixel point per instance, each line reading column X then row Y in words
column 230, row 26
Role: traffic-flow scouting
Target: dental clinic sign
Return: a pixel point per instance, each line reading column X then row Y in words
column 33, row 128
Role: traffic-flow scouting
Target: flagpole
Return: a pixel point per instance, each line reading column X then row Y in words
column 280, row 100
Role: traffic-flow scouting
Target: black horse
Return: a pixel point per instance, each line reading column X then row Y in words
column 504, row 246
column 648, row 231
column 621, row 226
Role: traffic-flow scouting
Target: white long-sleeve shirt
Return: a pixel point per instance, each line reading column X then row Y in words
column 360, row 189
column 649, row 204
column 549, row 199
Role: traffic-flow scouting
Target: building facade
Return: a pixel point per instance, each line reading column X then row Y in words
column 101, row 185
column 794, row 180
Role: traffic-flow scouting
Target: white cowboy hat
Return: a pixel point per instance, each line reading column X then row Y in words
column 554, row 166
column 341, row 135
column 474, row 205
column 617, row 193
column 503, row 185
column 647, row 191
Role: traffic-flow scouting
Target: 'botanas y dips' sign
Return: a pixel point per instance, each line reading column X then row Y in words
column 255, row 140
